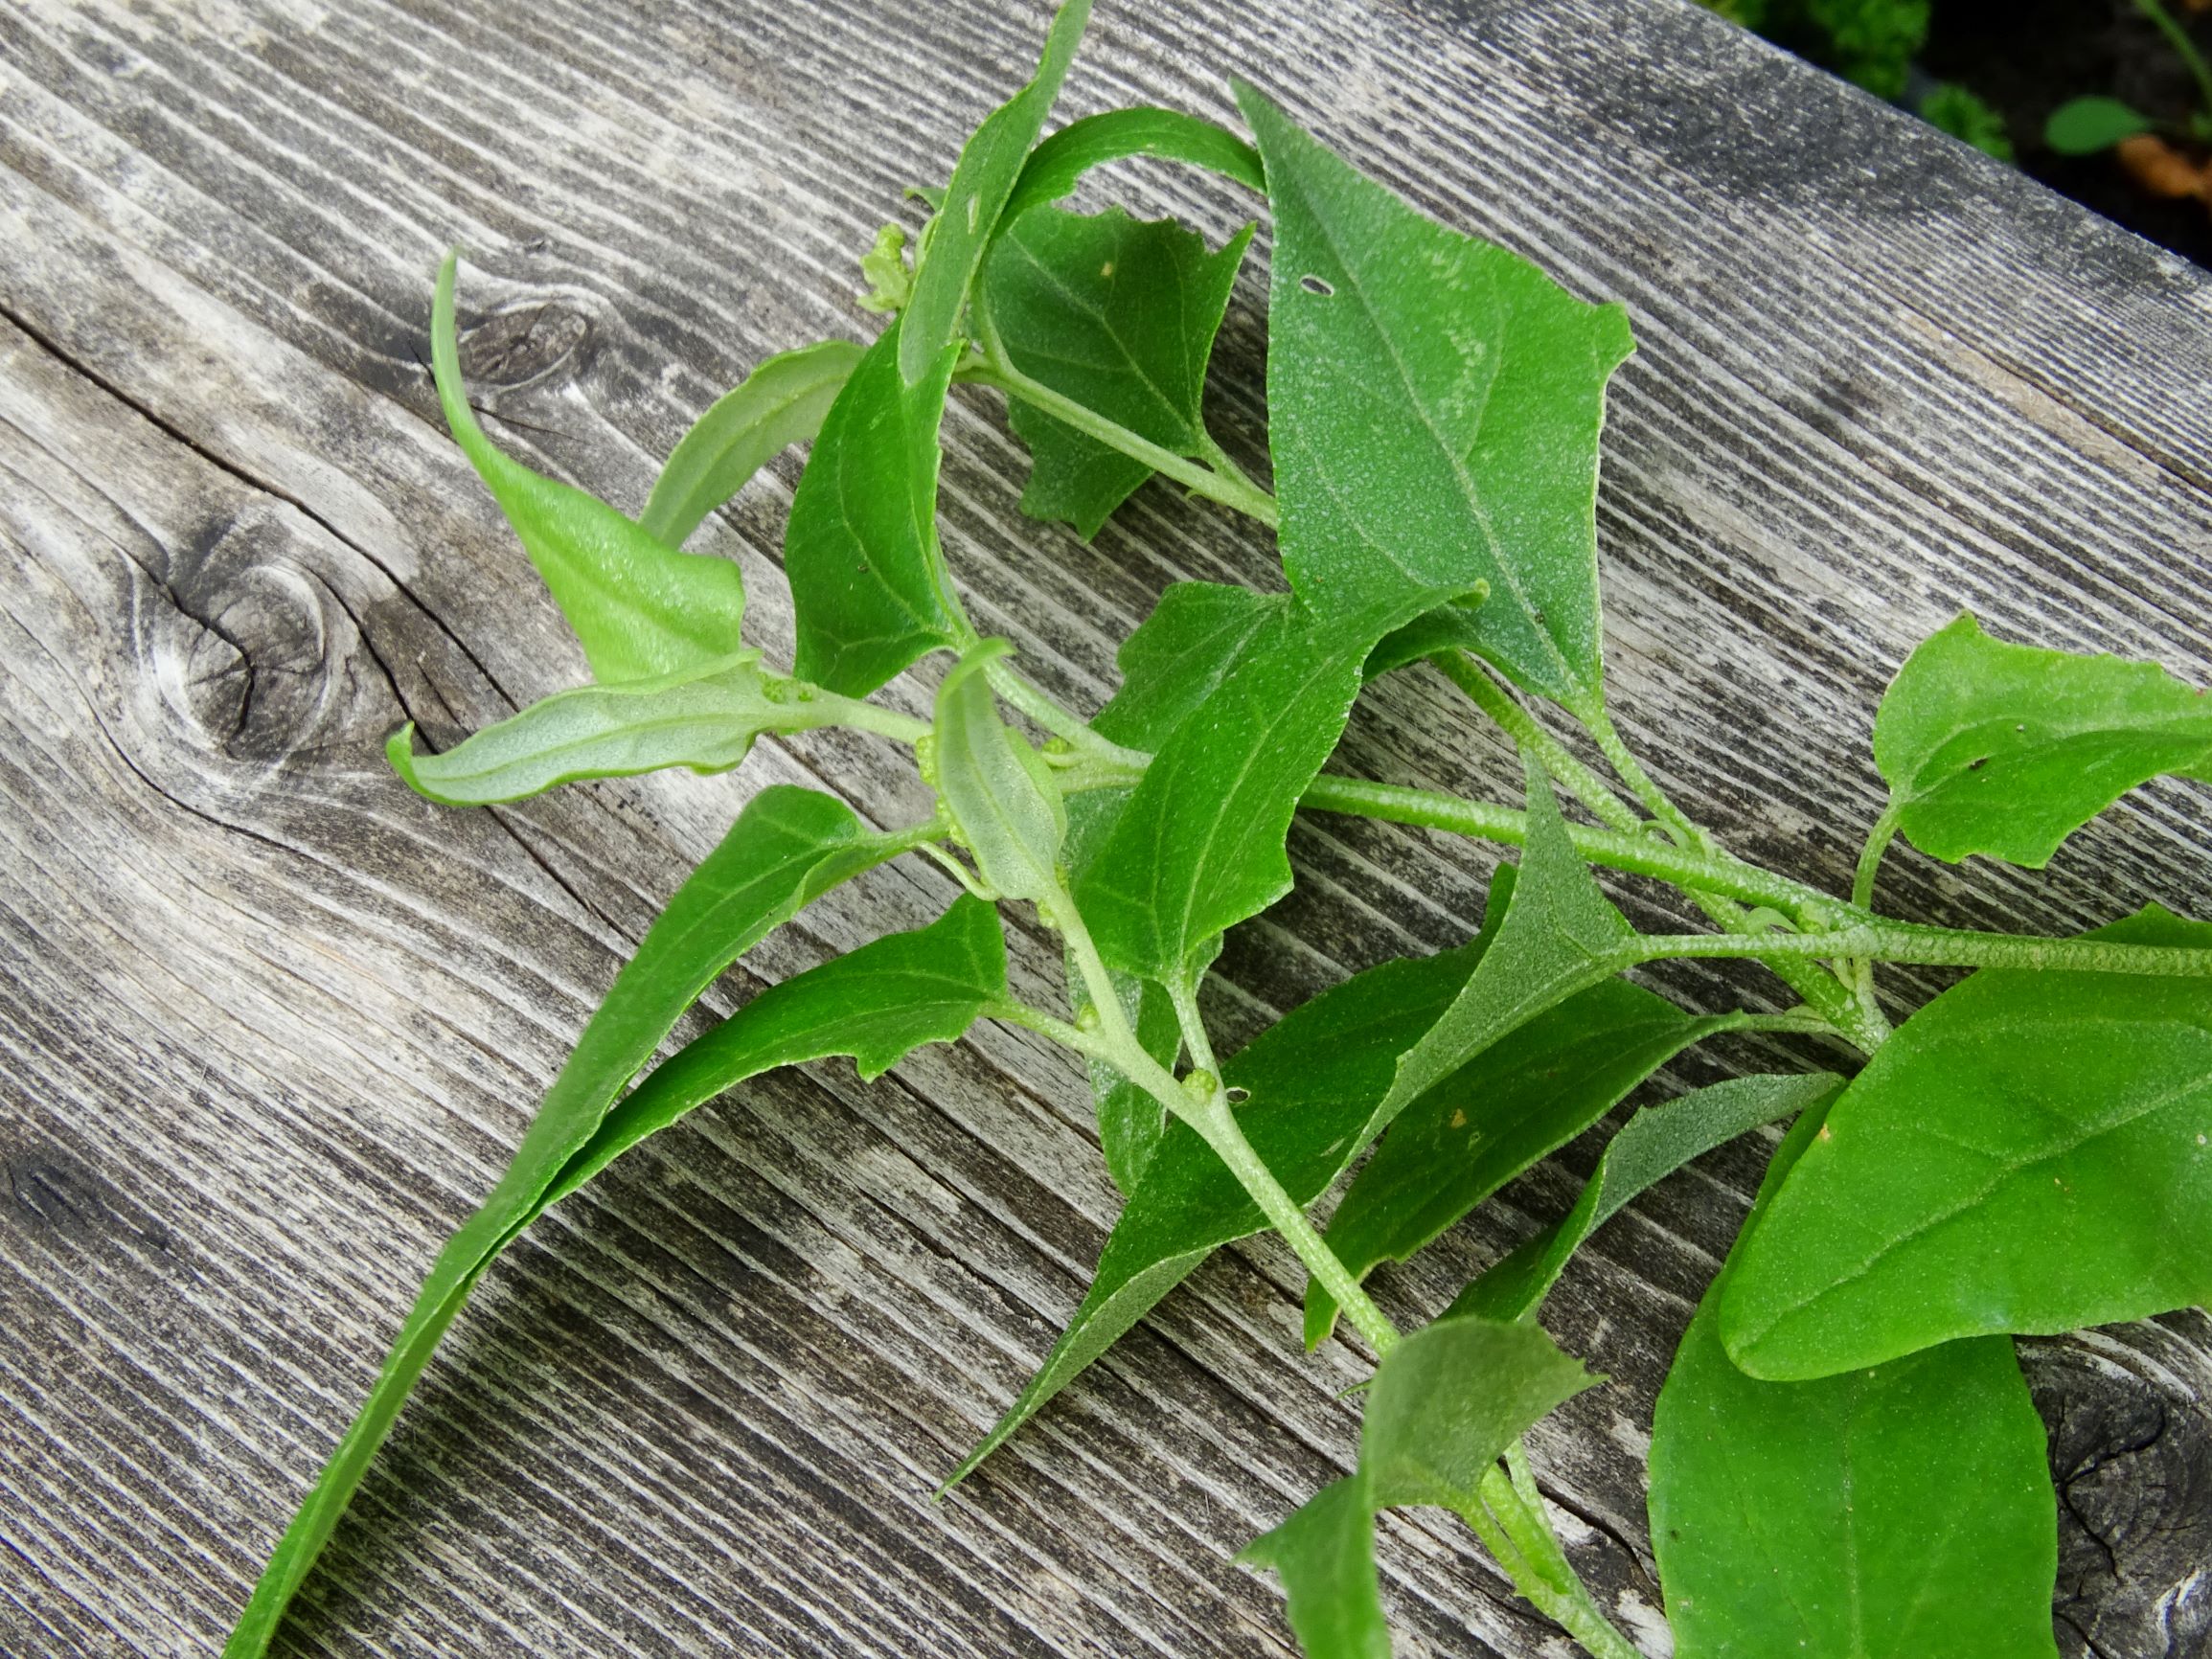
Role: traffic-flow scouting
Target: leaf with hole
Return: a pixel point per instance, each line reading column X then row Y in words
column 1118, row 315
column 780, row 403
column 1890, row 1513
column 2007, row 750
column 1434, row 405
column 2032, row 1151
column 637, row 605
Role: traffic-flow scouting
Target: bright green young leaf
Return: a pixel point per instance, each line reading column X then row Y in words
column 705, row 721
column 638, row 606
column 1561, row 935
column 1434, row 405
column 2085, row 126
column 867, row 575
column 997, row 788
column 877, row 1003
column 1199, row 848
column 2032, row 1151
column 1119, row 316
column 780, row 402
column 1654, row 1143
column 2007, row 750
column 1895, row 1512
column 786, row 848
column 1325, row 1556
column 1515, row 1102
column 1316, row 1078
column 1444, row 1406
column 1446, row 1402
column 1055, row 166
column 982, row 180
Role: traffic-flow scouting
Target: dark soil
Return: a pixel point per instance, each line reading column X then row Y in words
column 2028, row 56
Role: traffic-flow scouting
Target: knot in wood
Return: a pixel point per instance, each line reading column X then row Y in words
column 526, row 343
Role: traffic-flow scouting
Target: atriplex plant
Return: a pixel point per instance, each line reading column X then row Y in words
column 1845, row 1460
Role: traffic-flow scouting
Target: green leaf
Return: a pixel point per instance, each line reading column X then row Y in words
column 867, row 575
column 1561, row 935
column 705, row 721
column 1180, row 655
column 1315, row 1078
column 1199, row 848
column 2032, row 1151
column 877, row 1003
column 1515, row 1102
column 982, row 180
column 1654, row 1143
column 787, row 848
column 1130, row 1120
column 997, row 788
column 1448, row 627
column 1891, row 1513
column 1119, row 316
column 780, row 402
column 2085, row 126
column 1446, row 1402
column 1055, row 166
column 1444, row 1406
column 1325, row 1554
column 638, row 606
column 1434, row 405
column 2007, row 750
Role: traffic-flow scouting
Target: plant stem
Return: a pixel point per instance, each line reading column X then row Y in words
column 1010, row 684
column 1637, row 853
column 1521, row 726
column 1623, row 761
column 2185, row 47
column 1930, row 948
column 1877, row 840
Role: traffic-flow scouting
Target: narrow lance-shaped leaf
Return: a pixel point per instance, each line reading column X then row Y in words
column 867, row 576
column 1444, row 1406
column 1891, row 1513
column 1561, row 936
column 1434, row 405
column 1315, row 1077
column 1654, row 1143
column 1119, row 316
column 2032, row 1151
column 2007, row 750
column 703, row 721
column 990, row 165
column 638, row 606
column 1515, row 1102
column 787, row 848
column 1055, row 166
column 997, row 788
column 780, row 403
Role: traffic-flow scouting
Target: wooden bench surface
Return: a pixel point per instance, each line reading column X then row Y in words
column 271, row 1025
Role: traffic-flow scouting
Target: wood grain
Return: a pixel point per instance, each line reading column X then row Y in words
column 270, row 1025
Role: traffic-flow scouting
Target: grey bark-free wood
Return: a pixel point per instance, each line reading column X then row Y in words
column 270, row 1025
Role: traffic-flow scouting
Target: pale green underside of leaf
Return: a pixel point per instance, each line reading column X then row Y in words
column 706, row 722
column 638, row 606
column 1315, row 1078
column 1434, row 406
column 1444, row 1406
column 1004, row 802
column 990, row 165
column 1513, row 1104
column 1896, row 1512
column 2007, row 750
column 787, row 848
column 1119, row 316
column 1654, row 1143
column 780, row 403
column 2031, row 1152
column 1057, row 165
column 1560, row 937
column 861, row 552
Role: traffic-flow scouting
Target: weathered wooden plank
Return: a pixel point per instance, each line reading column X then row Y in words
column 271, row 1025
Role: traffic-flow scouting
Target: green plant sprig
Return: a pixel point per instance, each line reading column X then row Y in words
column 2019, row 1155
